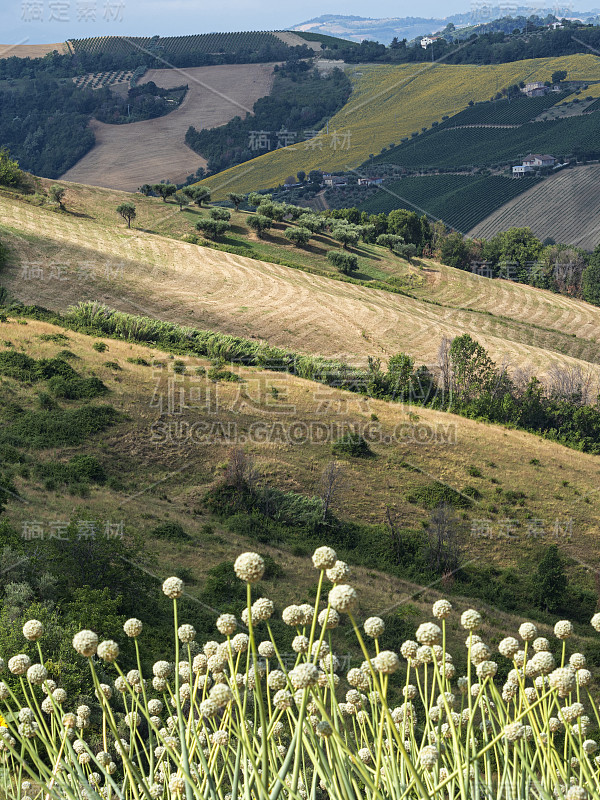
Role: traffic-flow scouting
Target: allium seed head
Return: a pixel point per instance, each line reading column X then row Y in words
column 470, row 619
column 563, row 629
column 249, row 567
column 86, row 643
column 442, row 609
column 173, row 587
column 527, row 631
column 108, row 650
column 133, row 627
column 343, row 598
column 324, row 558
column 33, row 630
column 374, row 627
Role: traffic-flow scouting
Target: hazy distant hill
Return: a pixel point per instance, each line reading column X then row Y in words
column 383, row 30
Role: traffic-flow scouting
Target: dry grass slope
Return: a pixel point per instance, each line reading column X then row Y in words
column 142, row 272
column 565, row 207
column 125, row 156
column 388, row 103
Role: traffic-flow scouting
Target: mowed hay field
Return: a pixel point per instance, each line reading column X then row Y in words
column 390, row 102
column 31, row 50
column 565, row 207
column 125, row 156
column 88, row 254
column 164, row 478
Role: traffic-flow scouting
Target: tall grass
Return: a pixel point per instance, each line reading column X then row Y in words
column 238, row 720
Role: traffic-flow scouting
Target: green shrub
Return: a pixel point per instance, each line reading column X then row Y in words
column 114, row 365
column 351, row 444
column 435, row 493
column 171, row 531
column 346, row 263
column 57, row 428
column 219, row 374
column 100, row 347
column 139, row 361
column 59, row 338
column 179, row 367
column 76, row 388
column 220, row 214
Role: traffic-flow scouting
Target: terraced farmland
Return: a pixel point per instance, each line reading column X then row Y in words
column 461, row 201
column 388, row 103
column 565, row 207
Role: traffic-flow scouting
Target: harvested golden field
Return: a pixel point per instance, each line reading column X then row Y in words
column 125, row 156
column 565, row 207
column 31, row 50
column 88, row 254
column 388, row 103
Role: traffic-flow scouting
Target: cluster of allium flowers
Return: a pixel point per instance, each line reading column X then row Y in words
column 173, row 588
column 33, row 630
column 343, row 598
column 108, row 650
column 470, row 619
column 249, row 567
column 37, row 673
column 324, row 558
column 329, row 618
column 338, row 572
column 304, row 675
column 133, row 627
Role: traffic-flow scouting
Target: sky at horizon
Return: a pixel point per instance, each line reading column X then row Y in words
column 46, row 21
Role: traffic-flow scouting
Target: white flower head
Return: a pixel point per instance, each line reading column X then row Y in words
column 527, row 631
column 374, row 627
column 186, row 633
column 343, row 598
column 339, row 572
column 249, row 567
column 508, row 647
column 33, row 630
column 324, row 558
column 37, row 673
column 133, row 627
column 470, row 619
column 442, row 609
column 19, row 665
column 108, row 650
column 86, row 643
column 386, row 662
column 563, row 629
column 173, row 588
column 262, row 609
column 429, row 634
